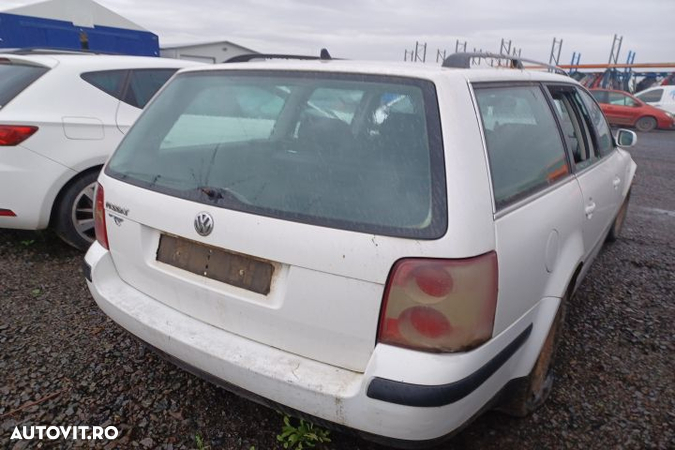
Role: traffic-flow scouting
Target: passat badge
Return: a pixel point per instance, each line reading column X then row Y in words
column 204, row 224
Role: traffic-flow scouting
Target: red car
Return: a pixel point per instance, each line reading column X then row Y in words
column 621, row 108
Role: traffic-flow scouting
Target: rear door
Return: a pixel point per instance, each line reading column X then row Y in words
column 140, row 86
column 622, row 109
column 538, row 202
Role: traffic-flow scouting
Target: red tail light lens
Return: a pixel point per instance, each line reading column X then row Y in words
column 99, row 217
column 15, row 134
column 440, row 305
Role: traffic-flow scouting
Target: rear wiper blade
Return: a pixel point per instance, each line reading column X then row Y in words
column 219, row 193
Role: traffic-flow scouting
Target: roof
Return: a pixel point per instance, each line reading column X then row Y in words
column 84, row 13
column 402, row 69
column 201, row 44
column 93, row 61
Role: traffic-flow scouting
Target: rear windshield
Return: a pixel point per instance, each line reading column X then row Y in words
column 14, row 78
column 355, row 152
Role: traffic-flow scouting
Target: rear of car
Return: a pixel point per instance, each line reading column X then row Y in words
column 333, row 238
column 16, row 75
column 61, row 117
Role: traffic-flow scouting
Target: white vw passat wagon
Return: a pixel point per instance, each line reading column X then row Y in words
column 61, row 115
column 385, row 247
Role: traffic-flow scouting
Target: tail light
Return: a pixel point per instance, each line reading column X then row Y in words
column 99, row 217
column 440, row 305
column 15, row 134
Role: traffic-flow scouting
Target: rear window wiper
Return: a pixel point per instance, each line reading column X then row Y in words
column 217, row 194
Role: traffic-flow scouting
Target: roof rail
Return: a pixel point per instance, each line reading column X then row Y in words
column 324, row 55
column 463, row 61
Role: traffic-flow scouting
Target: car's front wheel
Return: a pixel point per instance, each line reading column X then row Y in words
column 74, row 214
column 646, row 123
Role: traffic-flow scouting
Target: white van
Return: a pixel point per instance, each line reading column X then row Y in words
column 386, row 247
column 660, row 96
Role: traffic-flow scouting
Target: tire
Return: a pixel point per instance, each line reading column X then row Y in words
column 620, row 218
column 646, row 123
column 74, row 213
column 530, row 393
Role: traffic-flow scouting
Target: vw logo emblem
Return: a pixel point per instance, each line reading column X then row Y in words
column 204, row 223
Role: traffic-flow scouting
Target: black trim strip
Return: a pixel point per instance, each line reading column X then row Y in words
column 86, row 270
column 409, row 394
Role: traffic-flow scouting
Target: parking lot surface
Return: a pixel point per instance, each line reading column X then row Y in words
column 62, row 362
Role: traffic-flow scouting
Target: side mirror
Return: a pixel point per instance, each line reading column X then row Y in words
column 626, row 138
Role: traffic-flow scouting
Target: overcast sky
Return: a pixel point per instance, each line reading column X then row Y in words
column 383, row 29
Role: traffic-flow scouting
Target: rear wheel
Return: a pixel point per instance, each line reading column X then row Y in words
column 74, row 214
column 646, row 123
column 531, row 392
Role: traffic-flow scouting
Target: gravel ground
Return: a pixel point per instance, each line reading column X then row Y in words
column 62, row 362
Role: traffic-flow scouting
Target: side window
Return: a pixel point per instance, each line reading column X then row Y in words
column 145, row 83
column 619, row 99
column 110, row 81
column 575, row 130
column 523, row 141
column 651, row 96
column 600, row 96
column 601, row 133
column 336, row 103
column 223, row 114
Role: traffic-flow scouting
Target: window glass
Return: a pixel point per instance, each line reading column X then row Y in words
column 651, row 96
column 299, row 146
column 110, row 81
column 576, row 132
column 143, row 84
column 337, row 103
column 600, row 131
column 617, row 98
column 14, row 78
column 523, row 142
column 226, row 113
column 600, row 96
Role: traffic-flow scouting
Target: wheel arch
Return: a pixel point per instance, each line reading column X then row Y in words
column 64, row 188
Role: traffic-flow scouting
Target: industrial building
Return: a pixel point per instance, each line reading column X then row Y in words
column 74, row 25
column 207, row 52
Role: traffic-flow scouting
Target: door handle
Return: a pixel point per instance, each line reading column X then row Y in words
column 616, row 182
column 589, row 209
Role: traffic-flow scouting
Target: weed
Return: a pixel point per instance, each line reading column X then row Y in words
column 36, row 292
column 304, row 435
column 27, row 242
column 200, row 443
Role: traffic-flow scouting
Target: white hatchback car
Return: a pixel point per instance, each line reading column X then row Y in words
column 61, row 115
column 386, row 247
column 660, row 96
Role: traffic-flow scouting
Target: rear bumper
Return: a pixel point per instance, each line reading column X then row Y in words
column 29, row 184
column 322, row 391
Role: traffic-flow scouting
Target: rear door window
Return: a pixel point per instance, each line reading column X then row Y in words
column 356, row 152
column 524, row 147
column 109, row 81
column 144, row 83
column 651, row 96
column 14, row 78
